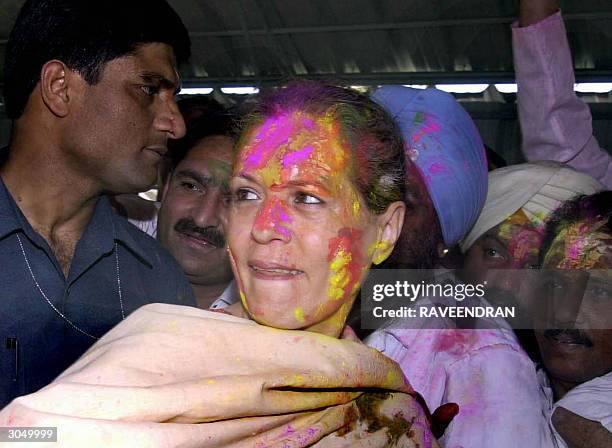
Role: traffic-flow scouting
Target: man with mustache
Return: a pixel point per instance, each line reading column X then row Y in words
column 91, row 93
column 194, row 203
column 577, row 354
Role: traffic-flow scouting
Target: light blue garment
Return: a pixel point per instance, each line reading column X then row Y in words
column 442, row 140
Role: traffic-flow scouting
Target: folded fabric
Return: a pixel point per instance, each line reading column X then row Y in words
column 171, row 376
column 538, row 188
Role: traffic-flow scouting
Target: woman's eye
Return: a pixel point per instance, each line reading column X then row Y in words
column 245, row 194
column 303, row 198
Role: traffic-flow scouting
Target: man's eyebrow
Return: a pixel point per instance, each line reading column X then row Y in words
column 495, row 238
column 162, row 80
column 198, row 177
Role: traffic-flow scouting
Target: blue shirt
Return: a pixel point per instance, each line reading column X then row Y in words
column 36, row 343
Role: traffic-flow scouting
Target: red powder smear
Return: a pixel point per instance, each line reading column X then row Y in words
column 526, row 242
column 295, row 158
column 429, row 127
column 349, row 241
column 437, row 168
column 272, row 134
column 274, row 215
column 455, row 341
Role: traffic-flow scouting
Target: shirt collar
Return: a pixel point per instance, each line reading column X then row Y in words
column 9, row 219
column 122, row 233
column 103, row 230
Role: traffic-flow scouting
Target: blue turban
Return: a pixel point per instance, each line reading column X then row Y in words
column 443, row 142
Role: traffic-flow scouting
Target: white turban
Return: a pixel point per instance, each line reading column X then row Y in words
column 537, row 188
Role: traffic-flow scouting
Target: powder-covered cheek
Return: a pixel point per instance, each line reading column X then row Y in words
column 346, row 263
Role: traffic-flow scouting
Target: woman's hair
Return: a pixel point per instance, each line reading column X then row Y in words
column 595, row 207
column 371, row 134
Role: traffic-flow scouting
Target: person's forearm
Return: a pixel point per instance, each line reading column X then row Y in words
column 533, row 11
column 578, row 432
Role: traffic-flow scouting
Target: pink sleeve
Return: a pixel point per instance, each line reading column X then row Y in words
column 555, row 123
column 499, row 401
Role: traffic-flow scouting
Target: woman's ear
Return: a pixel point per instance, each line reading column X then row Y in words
column 390, row 224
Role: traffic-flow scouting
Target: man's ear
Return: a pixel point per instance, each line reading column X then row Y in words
column 57, row 83
column 390, row 222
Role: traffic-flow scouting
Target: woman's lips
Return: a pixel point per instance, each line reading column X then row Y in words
column 273, row 271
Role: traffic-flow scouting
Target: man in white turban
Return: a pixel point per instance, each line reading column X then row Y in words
column 508, row 232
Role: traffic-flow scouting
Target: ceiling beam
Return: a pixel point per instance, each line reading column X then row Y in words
column 486, row 77
column 439, row 23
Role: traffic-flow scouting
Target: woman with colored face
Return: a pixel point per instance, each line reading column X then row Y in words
column 316, row 201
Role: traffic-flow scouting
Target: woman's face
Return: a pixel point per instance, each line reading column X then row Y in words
column 300, row 236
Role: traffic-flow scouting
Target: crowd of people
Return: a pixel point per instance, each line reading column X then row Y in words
column 227, row 312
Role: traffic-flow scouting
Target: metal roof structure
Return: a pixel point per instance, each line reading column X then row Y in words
column 372, row 42
column 366, row 42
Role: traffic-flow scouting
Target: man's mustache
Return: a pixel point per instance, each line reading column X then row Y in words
column 212, row 235
column 569, row 337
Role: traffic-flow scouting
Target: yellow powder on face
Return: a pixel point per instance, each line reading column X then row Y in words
column 299, row 314
column 356, row 208
column 339, row 277
column 244, row 301
column 339, row 319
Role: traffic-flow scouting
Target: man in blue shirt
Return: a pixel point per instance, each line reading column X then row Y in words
column 90, row 87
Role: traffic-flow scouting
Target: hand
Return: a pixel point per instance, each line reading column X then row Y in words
column 442, row 416
column 534, row 11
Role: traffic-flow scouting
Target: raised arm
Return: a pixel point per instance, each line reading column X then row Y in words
column 555, row 123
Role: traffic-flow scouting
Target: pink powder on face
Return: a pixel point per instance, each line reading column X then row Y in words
column 273, row 133
column 297, row 157
column 273, row 215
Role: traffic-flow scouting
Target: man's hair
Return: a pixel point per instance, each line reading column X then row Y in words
column 209, row 118
column 592, row 208
column 84, row 35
